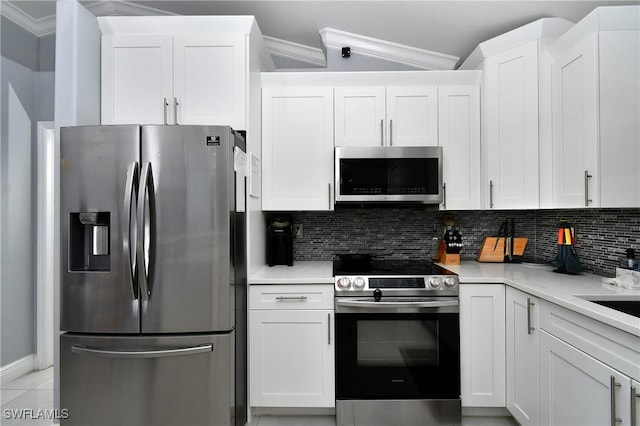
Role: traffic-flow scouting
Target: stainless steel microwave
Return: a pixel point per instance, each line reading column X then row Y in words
column 389, row 174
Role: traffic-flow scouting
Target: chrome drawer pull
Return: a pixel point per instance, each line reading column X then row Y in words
column 291, row 298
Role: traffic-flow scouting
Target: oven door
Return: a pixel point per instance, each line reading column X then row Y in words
column 403, row 348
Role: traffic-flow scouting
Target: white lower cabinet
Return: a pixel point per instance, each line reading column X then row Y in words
column 522, row 356
column 291, row 346
column 577, row 389
column 587, row 370
column 635, row 403
column 482, row 345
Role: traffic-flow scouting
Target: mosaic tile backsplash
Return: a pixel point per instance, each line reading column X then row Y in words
column 414, row 232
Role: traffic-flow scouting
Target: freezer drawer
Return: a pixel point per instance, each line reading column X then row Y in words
column 148, row 380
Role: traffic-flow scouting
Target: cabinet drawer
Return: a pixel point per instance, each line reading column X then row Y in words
column 614, row 347
column 308, row 296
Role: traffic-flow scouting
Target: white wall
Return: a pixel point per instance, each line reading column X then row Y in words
column 26, row 97
column 16, row 217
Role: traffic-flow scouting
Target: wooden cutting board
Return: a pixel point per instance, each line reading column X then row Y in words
column 492, row 252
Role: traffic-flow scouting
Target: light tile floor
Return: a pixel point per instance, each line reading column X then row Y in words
column 26, row 399
column 34, row 392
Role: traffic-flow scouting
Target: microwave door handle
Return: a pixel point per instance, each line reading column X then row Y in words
column 381, row 132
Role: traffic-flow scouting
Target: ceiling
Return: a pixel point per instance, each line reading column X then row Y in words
column 451, row 27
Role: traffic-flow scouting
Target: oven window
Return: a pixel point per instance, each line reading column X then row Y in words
column 397, row 355
column 397, row 343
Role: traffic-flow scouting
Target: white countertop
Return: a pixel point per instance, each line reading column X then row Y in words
column 302, row 272
column 537, row 280
column 561, row 289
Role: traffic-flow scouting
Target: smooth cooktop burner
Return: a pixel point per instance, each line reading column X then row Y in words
column 396, row 267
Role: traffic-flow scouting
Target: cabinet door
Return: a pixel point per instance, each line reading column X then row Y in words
column 459, row 130
column 291, row 358
column 482, row 345
column 512, row 128
column 137, row 75
column 575, row 126
column 297, row 148
column 576, row 389
column 522, row 356
column 359, row 116
column 635, row 403
column 209, row 81
column 412, row 116
column 619, row 112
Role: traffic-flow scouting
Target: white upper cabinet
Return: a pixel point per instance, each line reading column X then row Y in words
column 512, row 127
column 209, row 79
column 596, row 111
column 177, row 70
column 359, row 116
column 459, row 137
column 137, row 78
column 386, row 116
column 516, row 115
column 297, row 148
column 412, row 116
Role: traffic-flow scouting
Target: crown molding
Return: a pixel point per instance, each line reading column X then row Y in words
column 47, row 25
column 39, row 27
column 295, row 51
column 112, row 7
column 412, row 56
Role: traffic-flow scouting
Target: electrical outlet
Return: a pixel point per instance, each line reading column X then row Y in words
column 297, row 230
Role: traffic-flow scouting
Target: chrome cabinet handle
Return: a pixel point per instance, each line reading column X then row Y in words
column 329, row 326
column 530, row 304
column 146, row 231
column 129, row 200
column 166, row 106
column 634, row 412
column 83, row 350
column 444, row 195
column 287, row 298
column 587, row 200
column 390, row 132
column 329, row 195
column 381, row 132
column 490, row 194
column 175, row 109
column 612, row 394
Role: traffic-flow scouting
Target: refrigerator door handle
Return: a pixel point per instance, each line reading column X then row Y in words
column 146, row 231
column 127, row 249
column 194, row 350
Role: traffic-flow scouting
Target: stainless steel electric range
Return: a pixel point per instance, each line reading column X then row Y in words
column 397, row 344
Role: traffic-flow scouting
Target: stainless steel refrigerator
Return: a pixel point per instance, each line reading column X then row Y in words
column 153, row 285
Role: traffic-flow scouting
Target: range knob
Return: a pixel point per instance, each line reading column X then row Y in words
column 435, row 282
column 450, row 282
column 358, row 283
column 343, row 283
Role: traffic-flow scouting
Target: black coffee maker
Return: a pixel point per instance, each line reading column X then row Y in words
column 280, row 241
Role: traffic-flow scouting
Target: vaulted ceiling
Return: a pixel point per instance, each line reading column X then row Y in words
column 451, row 27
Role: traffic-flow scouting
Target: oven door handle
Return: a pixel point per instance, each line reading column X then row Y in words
column 395, row 304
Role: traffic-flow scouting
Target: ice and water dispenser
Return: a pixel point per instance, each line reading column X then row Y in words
column 89, row 241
